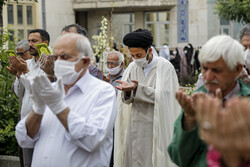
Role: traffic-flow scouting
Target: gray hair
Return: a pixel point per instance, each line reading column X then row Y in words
column 245, row 31
column 82, row 44
column 24, row 44
column 223, row 46
column 121, row 57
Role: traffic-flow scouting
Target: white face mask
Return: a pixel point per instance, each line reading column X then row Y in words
column 174, row 52
column 66, row 70
column 142, row 62
column 115, row 70
column 247, row 58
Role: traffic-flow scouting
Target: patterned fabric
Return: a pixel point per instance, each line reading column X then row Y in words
column 96, row 72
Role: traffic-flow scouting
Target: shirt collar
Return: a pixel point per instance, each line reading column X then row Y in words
column 82, row 83
column 234, row 91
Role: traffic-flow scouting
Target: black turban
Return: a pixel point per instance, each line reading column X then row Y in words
column 140, row 38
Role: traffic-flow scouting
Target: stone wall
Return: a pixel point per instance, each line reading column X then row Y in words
column 9, row 161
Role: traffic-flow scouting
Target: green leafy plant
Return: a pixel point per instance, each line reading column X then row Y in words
column 234, row 10
column 9, row 104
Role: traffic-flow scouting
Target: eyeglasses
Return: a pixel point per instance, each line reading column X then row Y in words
column 112, row 63
column 21, row 53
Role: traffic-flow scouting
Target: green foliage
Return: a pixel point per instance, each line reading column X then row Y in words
column 187, row 80
column 9, row 105
column 234, row 10
column 189, row 88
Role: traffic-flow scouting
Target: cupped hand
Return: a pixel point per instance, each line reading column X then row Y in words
column 125, row 86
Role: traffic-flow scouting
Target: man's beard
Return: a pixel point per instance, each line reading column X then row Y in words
column 33, row 51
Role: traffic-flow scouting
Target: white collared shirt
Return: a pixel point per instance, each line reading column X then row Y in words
column 91, row 119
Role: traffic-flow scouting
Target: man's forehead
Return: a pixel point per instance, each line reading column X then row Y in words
column 113, row 56
column 246, row 38
column 220, row 61
column 64, row 46
column 20, row 49
column 35, row 35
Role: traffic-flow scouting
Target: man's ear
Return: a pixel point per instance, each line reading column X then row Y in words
column 238, row 69
column 122, row 64
column 47, row 42
column 86, row 61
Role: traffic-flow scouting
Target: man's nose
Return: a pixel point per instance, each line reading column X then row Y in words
column 30, row 44
column 209, row 75
column 109, row 66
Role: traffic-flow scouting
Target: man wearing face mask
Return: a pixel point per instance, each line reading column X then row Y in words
column 114, row 64
column 71, row 120
column 144, row 127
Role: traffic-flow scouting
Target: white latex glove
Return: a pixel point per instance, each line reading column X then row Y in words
column 37, row 104
column 52, row 96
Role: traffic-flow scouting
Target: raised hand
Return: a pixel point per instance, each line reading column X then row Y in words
column 12, row 70
column 52, row 96
column 237, row 129
column 47, row 64
column 227, row 129
column 125, row 86
column 38, row 105
column 186, row 102
column 19, row 64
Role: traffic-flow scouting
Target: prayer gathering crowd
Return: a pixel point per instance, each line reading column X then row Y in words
column 73, row 115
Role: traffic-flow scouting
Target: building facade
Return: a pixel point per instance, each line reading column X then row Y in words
column 174, row 22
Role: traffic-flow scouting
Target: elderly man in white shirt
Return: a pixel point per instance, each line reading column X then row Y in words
column 72, row 120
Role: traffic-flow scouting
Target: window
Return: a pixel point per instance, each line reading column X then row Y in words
column 20, row 34
column 29, row 15
column 225, row 27
column 20, row 14
column 158, row 24
column 10, row 14
column 121, row 25
column 11, row 35
column 21, row 17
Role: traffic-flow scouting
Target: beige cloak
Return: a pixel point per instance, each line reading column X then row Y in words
column 164, row 84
